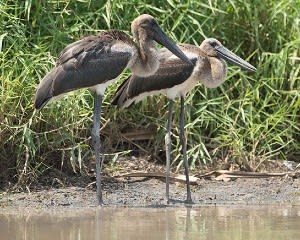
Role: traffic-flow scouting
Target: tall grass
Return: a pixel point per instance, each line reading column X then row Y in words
column 250, row 119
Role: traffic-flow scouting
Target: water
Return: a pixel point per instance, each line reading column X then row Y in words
column 207, row 222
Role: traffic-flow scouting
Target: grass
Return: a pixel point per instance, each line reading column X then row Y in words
column 251, row 118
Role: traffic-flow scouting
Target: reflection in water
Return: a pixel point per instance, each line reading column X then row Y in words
column 222, row 222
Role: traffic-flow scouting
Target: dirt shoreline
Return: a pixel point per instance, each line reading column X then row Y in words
column 150, row 193
column 62, row 191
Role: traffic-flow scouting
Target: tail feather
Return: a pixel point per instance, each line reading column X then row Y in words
column 121, row 94
column 44, row 91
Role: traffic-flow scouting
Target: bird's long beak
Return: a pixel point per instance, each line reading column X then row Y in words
column 226, row 54
column 163, row 39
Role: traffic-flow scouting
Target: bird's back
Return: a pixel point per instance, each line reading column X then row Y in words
column 85, row 63
column 172, row 72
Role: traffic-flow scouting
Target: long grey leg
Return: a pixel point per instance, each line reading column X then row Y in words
column 183, row 144
column 168, row 149
column 96, row 143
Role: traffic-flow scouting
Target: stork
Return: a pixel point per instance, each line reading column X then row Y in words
column 96, row 61
column 176, row 78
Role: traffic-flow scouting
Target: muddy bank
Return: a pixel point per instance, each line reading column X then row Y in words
column 150, row 192
column 58, row 190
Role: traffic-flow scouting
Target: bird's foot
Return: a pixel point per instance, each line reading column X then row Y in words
column 189, row 200
column 167, row 201
column 100, row 202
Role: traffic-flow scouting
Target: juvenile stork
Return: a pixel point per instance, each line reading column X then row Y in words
column 96, row 61
column 176, row 78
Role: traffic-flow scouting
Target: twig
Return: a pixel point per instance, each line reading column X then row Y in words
column 240, row 174
column 173, row 177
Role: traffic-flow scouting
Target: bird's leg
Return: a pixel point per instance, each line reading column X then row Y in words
column 168, row 149
column 96, row 143
column 183, row 144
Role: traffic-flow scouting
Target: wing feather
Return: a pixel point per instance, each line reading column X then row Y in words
column 85, row 63
column 172, row 72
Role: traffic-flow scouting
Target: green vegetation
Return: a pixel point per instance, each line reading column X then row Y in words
column 250, row 119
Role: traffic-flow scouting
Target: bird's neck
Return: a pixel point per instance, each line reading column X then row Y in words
column 147, row 59
column 211, row 71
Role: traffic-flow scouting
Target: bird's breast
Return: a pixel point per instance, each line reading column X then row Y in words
column 210, row 71
column 144, row 61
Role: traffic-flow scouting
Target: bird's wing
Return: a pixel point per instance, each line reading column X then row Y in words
column 172, row 72
column 86, row 63
column 165, row 54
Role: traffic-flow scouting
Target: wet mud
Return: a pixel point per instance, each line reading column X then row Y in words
column 54, row 191
column 151, row 192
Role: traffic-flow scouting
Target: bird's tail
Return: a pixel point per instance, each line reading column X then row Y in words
column 121, row 95
column 44, row 91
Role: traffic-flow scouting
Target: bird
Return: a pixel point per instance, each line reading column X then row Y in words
column 96, row 61
column 176, row 78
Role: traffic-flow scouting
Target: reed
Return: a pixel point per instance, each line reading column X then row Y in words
column 251, row 118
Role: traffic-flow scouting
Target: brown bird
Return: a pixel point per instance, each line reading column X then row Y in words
column 176, row 78
column 96, row 61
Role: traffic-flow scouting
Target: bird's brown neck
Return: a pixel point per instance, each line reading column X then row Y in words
column 212, row 71
column 147, row 61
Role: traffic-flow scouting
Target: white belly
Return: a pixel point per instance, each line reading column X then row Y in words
column 100, row 88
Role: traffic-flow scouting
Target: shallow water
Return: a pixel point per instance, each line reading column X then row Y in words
column 207, row 222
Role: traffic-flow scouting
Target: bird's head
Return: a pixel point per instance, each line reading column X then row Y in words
column 146, row 29
column 213, row 48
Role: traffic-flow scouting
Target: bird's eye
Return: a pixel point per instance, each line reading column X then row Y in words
column 213, row 43
column 149, row 23
column 153, row 22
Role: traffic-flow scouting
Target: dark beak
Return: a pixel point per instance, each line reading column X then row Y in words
column 163, row 39
column 226, row 54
